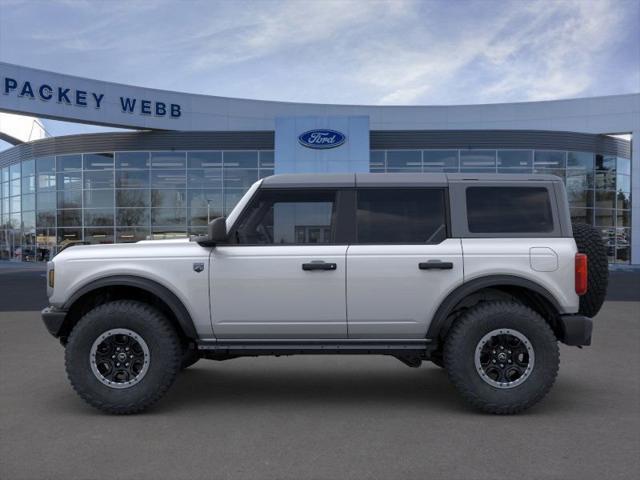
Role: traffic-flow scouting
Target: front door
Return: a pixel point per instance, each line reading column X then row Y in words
column 283, row 273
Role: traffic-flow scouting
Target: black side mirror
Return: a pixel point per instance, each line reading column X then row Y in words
column 218, row 230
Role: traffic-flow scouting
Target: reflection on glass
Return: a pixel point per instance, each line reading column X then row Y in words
column 478, row 161
column 98, row 161
column 69, row 162
column 132, row 160
column 168, row 160
column 440, row 160
column 132, row 198
column 98, row 217
column 132, row 216
column 69, row 199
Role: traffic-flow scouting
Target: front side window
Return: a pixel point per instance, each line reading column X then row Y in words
column 401, row 216
column 289, row 217
column 509, row 210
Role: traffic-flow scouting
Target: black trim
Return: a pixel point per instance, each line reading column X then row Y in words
column 439, row 323
column 53, row 319
column 242, row 347
column 160, row 291
column 575, row 330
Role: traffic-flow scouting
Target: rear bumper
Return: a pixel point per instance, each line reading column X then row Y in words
column 53, row 319
column 575, row 330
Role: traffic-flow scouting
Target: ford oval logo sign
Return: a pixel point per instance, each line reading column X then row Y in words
column 322, row 138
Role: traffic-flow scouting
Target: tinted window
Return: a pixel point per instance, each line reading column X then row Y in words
column 401, row 216
column 509, row 210
column 289, row 217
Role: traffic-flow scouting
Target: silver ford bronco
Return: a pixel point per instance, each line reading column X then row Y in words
column 480, row 274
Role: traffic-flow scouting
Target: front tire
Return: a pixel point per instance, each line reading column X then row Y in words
column 122, row 356
column 502, row 357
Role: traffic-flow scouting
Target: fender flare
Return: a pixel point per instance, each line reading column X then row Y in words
column 439, row 322
column 163, row 293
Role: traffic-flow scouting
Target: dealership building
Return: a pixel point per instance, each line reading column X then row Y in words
column 189, row 158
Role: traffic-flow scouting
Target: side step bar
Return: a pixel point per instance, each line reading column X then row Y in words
column 243, row 347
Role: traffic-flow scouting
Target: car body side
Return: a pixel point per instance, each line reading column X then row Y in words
column 545, row 264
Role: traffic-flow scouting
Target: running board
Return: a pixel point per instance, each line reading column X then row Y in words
column 241, row 347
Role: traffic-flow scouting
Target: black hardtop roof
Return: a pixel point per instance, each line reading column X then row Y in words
column 319, row 180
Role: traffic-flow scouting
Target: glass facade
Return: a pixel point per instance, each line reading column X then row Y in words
column 598, row 186
column 116, row 197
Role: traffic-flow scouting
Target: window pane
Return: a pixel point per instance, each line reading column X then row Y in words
column 410, row 159
column 46, row 218
column 582, row 215
column 14, row 187
column 98, row 217
column 28, row 184
column 69, row 218
column 205, row 178
column 509, row 210
column 623, row 218
column 69, row 199
column 68, row 235
column 550, row 159
column 5, row 174
column 477, row 160
column 241, row 159
column 580, row 198
column 14, row 171
column 133, row 216
column 46, row 181
column 168, row 159
column 582, row 160
column 623, row 166
column 604, row 218
column 98, row 235
column 46, row 164
column 98, row 161
column 266, row 159
column 127, row 235
column 605, row 163
column 70, row 180
column 204, row 159
column 98, row 179
column 29, row 202
column 289, row 217
column 376, row 159
column 239, row 178
column 440, row 160
column 605, row 199
column 28, row 168
column 202, row 198
column 98, row 199
column 132, row 160
column 132, row 198
column 401, row 216
column 46, row 201
column 168, row 198
column 521, row 159
column 132, row 179
column 623, row 183
column 623, row 200
column 168, row 179
column 169, row 217
column 69, row 162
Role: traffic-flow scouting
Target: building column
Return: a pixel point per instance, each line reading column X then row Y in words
column 635, row 197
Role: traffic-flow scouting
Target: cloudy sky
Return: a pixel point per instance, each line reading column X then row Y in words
column 361, row 52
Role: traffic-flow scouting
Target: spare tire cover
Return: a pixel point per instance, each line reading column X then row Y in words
column 589, row 242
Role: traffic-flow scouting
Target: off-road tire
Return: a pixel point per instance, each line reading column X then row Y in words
column 462, row 341
column 589, row 241
column 164, row 359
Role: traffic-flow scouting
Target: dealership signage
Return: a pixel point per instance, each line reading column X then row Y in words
column 68, row 95
column 322, row 138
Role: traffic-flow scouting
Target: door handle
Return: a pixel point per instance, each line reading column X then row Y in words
column 319, row 265
column 435, row 265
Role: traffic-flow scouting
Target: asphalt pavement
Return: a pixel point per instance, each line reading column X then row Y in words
column 319, row 417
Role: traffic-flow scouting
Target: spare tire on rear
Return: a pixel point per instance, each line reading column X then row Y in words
column 589, row 242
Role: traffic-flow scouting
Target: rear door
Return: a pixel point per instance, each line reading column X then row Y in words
column 402, row 263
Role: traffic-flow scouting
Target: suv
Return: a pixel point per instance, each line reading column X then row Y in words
column 480, row 274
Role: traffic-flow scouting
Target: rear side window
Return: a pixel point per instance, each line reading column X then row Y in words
column 401, row 215
column 509, row 210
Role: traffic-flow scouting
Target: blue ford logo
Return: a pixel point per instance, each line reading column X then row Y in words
column 322, row 138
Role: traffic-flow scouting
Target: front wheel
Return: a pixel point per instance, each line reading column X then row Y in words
column 122, row 356
column 502, row 357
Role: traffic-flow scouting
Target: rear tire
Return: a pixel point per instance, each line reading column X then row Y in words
column 103, row 347
column 507, row 332
column 589, row 242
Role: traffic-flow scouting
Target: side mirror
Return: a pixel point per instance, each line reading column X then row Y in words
column 218, row 230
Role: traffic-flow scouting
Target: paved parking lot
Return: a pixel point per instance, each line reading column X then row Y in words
column 322, row 417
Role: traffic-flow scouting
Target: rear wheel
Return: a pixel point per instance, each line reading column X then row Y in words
column 502, row 357
column 122, row 356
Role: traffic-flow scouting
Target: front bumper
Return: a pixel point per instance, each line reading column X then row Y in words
column 53, row 319
column 575, row 330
